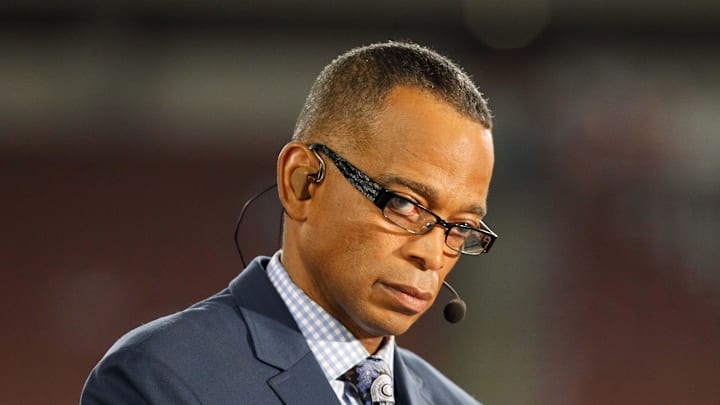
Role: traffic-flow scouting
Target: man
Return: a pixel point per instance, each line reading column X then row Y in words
column 384, row 186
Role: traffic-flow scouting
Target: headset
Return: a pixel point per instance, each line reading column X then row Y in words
column 454, row 310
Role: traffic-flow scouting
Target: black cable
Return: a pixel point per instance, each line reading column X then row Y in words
column 240, row 218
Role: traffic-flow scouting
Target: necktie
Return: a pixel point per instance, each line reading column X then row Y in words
column 372, row 380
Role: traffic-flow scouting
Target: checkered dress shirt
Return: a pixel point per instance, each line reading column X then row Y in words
column 334, row 347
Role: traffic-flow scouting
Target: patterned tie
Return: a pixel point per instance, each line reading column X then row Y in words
column 372, row 380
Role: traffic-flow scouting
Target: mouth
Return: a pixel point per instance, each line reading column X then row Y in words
column 408, row 299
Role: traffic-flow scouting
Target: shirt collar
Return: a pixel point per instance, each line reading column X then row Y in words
column 334, row 346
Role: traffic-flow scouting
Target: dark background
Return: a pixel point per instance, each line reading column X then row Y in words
column 132, row 132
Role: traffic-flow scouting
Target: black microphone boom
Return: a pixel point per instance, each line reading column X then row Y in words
column 454, row 310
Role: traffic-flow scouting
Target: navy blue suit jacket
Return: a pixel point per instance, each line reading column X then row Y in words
column 240, row 346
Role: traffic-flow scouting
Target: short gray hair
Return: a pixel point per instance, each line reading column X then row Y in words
column 350, row 91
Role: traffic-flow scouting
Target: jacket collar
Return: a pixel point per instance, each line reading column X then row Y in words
column 409, row 388
column 277, row 340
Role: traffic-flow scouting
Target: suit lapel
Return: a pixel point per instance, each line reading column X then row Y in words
column 278, row 341
column 409, row 389
column 303, row 383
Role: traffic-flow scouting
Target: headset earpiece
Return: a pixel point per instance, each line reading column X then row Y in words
column 300, row 184
column 301, row 178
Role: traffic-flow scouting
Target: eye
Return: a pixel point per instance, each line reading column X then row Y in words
column 458, row 237
column 462, row 230
column 469, row 225
column 403, row 207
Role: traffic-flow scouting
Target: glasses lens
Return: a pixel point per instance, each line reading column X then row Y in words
column 407, row 215
column 475, row 242
column 414, row 219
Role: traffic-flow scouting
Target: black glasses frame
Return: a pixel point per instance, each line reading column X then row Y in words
column 380, row 196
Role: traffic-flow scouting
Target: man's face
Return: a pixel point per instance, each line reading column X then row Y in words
column 374, row 277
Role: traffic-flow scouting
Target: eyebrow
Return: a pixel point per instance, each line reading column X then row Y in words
column 424, row 190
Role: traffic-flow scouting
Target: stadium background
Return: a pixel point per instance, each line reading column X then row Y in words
column 132, row 132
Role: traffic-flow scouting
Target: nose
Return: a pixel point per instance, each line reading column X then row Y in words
column 427, row 250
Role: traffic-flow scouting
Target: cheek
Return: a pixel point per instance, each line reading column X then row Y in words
column 353, row 226
column 372, row 241
column 358, row 246
column 354, row 258
column 348, row 233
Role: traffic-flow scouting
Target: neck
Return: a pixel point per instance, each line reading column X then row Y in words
column 372, row 344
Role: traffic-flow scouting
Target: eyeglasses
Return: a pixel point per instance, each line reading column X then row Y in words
column 408, row 214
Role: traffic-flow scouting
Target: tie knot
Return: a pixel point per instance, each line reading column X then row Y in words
column 371, row 377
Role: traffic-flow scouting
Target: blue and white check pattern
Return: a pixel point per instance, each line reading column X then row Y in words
column 334, row 347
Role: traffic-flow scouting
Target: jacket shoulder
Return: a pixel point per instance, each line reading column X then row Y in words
column 216, row 321
column 179, row 358
column 202, row 354
column 436, row 385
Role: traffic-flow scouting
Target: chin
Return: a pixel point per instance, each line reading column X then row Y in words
column 394, row 324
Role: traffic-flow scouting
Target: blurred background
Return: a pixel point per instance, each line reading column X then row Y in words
column 132, row 132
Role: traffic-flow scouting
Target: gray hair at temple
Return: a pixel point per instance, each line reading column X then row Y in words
column 349, row 92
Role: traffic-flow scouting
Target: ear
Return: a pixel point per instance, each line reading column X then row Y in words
column 300, row 184
column 295, row 163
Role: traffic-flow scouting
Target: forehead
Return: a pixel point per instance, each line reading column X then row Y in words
column 418, row 138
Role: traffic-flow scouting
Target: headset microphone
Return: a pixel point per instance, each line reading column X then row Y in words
column 455, row 309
